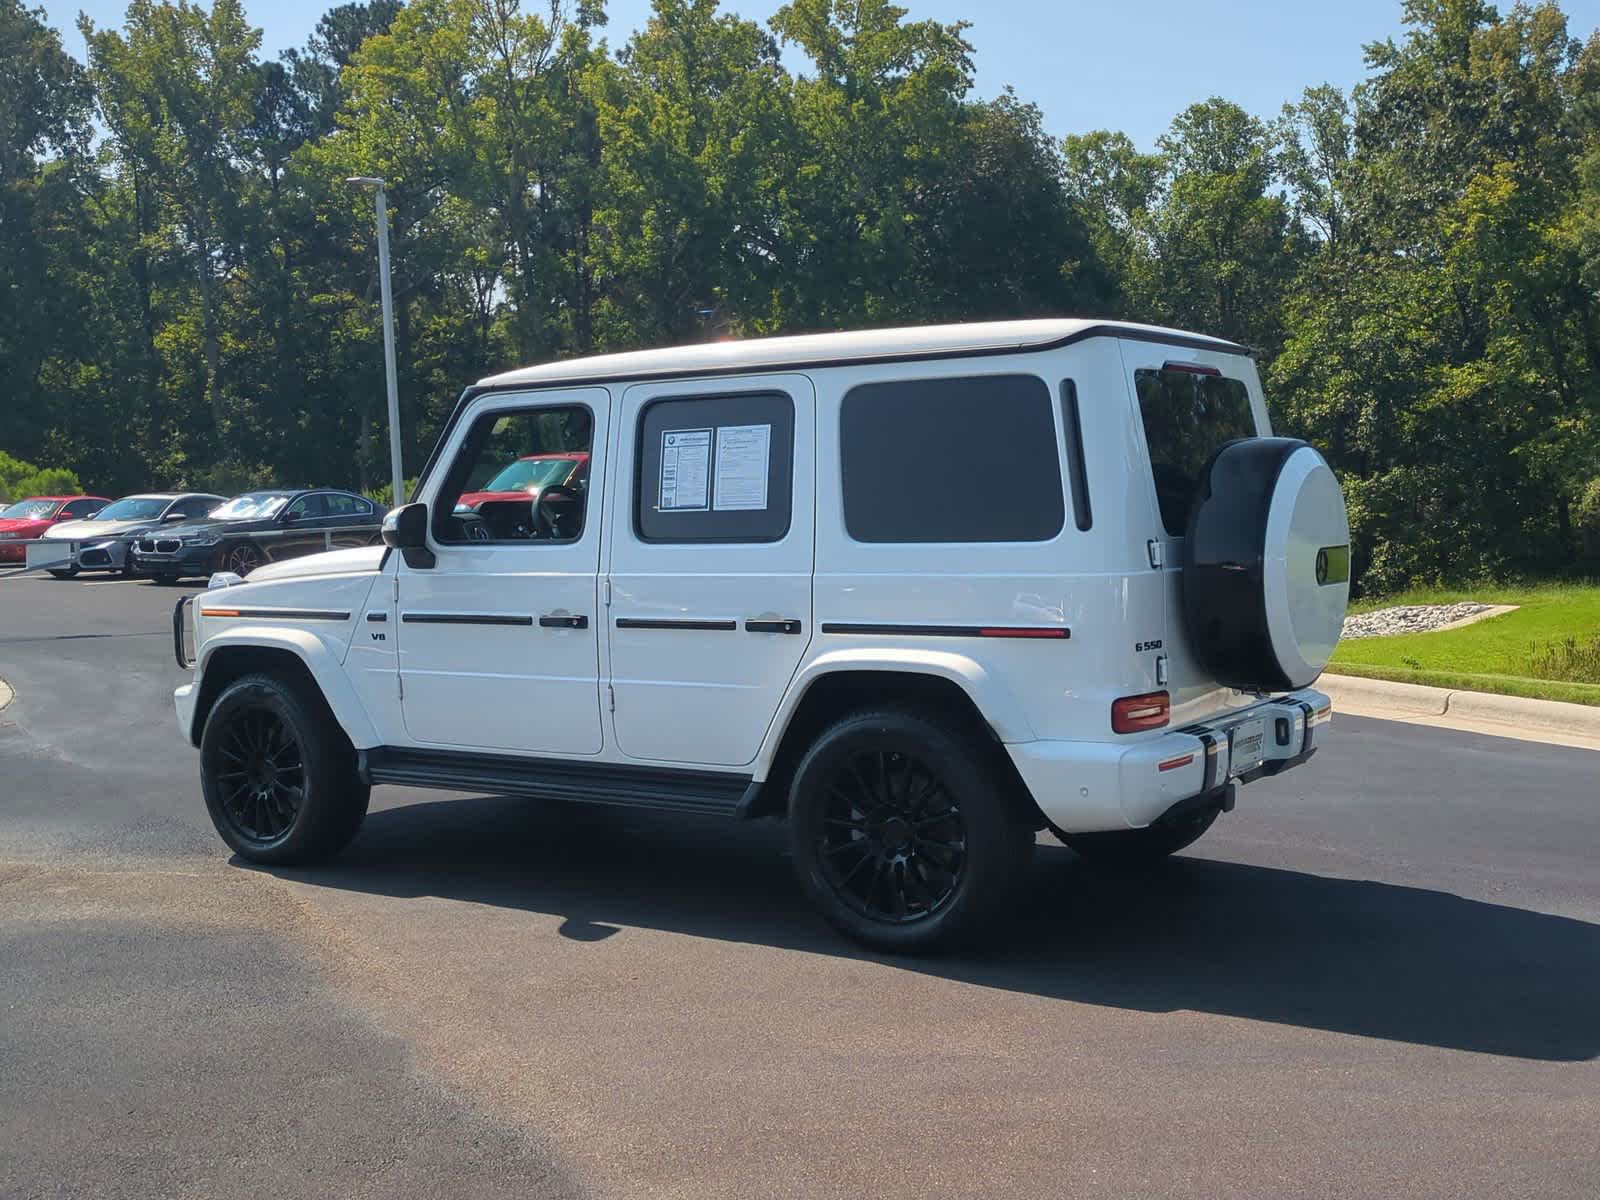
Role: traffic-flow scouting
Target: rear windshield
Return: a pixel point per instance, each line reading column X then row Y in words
column 1187, row 416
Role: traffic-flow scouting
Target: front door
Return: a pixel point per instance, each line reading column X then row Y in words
column 499, row 639
column 711, row 522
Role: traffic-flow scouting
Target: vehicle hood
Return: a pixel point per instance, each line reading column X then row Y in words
column 473, row 499
column 98, row 531
column 185, row 529
column 27, row 528
column 329, row 562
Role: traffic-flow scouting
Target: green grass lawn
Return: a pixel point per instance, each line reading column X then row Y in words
column 1491, row 656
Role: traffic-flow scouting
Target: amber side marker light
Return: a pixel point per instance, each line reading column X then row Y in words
column 1172, row 764
column 219, row 612
column 1133, row 714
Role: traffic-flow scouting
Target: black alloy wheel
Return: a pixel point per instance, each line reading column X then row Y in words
column 242, row 559
column 262, row 775
column 908, row 832
column 892, row 842
column 278, row 773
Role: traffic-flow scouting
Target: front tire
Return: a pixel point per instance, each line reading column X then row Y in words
column 279, row 775
column 1142, row 847
column 904, row 833
column 64, row 573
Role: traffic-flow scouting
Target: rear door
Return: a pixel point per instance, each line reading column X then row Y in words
column 711, row 560
column 1189, row 402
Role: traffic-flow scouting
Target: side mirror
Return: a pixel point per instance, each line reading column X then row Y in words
column 406, row 529
column 174, row 518
column 290, row 517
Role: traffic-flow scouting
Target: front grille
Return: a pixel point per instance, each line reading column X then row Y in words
column 147, row 545
column 168, row 546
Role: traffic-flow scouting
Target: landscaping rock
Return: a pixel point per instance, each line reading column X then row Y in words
column 1409, row 618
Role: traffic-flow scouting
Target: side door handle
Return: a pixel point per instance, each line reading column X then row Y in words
column 563, row 622
column 772, row 625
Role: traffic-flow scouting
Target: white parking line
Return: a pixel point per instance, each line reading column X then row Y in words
column 109, row 582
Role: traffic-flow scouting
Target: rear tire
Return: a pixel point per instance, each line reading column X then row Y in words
column 904, row 834
column 1141, row 847
column 278, row 773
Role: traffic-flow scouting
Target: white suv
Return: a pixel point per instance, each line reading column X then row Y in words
column 921, row 592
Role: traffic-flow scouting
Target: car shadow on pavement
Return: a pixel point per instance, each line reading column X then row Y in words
column 1347, row 956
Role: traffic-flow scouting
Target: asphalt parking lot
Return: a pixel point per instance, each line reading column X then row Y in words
column 1380, row 976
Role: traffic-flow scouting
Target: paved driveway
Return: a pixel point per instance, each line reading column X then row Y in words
column 1379, row 977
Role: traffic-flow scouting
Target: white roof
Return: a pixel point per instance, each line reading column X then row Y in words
column 917, row 341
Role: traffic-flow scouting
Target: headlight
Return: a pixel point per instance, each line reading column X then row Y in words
column 6, row 537
column 203, row 540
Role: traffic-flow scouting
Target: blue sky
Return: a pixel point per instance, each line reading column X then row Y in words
column 1128, row 66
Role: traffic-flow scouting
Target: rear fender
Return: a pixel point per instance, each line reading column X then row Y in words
column 320, row 661
column 991, row 697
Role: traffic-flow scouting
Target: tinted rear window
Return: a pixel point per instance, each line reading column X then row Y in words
column 1187, row 416
column 951, row 460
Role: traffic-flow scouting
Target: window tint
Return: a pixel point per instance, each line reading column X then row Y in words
column 477, row 505
column 82, row 508
column 951, row 460
column 346, row 506
column 1187, row 417
column 305, row 508
column 715, row 468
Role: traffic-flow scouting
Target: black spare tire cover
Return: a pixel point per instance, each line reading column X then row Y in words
column 1266, row 570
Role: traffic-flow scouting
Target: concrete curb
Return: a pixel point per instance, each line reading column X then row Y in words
column 1510, row 716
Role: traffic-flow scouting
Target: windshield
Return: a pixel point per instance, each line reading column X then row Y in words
column 250, row 506
column 31, row 510
column 131, row 508
column 530, row 474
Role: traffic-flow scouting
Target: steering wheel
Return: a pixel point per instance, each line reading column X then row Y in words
column 553, row 512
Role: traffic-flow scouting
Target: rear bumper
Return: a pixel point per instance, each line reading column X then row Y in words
column 1086, row 787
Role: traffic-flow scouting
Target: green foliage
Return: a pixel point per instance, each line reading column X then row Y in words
column 384, row 493
column 1567, row 659
column 19, row 480
column 194, row 300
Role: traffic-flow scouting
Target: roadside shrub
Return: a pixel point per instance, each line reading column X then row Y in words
column 1566, row 660
column 381, row 493
column 19, row 479
column 1586, row 523
column 231, row 477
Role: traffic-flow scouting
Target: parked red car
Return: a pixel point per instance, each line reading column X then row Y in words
column 535, row 491
column 27, row 519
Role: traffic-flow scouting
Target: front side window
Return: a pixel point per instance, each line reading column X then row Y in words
column 507, row 483
column 715, row 468
column 305, row 508
column 1188, row 415
column 83, row 508
column 971, row 459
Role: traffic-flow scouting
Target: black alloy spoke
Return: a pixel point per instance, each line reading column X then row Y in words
column 891, row 841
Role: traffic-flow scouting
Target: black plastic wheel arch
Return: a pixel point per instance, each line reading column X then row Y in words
column 1224, row 591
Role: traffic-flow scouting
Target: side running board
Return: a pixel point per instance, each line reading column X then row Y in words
column 711, row 793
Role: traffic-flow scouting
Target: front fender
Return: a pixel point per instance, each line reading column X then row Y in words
column 991, row 697
column 318, row 658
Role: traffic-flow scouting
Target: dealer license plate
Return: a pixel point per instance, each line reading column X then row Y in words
column 1249, row 747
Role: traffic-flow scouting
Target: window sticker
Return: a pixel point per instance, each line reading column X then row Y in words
column 743, row 456
column 685, row 469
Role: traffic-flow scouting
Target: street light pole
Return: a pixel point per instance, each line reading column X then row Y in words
column 396, row 475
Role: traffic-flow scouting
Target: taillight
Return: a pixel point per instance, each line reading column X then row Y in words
column 1131, row 714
